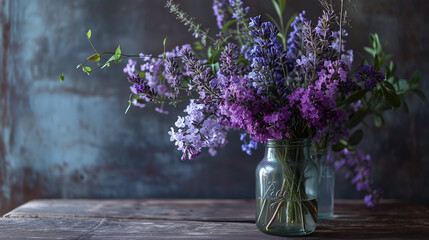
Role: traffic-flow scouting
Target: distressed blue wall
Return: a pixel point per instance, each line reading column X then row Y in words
column 72, row 139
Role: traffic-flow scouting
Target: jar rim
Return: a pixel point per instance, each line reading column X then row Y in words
column 296, row 142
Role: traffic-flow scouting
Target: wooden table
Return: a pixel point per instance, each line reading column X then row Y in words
column 200, row 219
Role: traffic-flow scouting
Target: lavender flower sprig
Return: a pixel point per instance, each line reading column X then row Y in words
column 203, row 35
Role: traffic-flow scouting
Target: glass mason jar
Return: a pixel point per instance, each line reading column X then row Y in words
column 326, row 185
column 287, row 188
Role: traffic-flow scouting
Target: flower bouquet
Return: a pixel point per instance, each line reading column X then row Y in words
column 289, row 84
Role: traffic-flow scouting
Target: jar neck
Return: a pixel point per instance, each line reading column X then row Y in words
column 301, row 146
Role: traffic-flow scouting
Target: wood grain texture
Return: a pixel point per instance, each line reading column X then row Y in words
column 200, row 219
column 193, row 210
column 105, row 228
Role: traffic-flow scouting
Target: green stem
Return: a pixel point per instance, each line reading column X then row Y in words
column 92, row 45
column 341, row 29
column 126, row 55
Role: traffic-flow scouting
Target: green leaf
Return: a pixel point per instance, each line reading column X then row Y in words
column 281, row 37
column 62, row 77
column 357, row 118
column 117, row 53
column 415, row 79
column 420, row 94
column 282, row 4
column 163, row 43
column 198, row 45
column 376, row 42
column 370, row 51
column 291, row 19
column 403, row 85
column 215, row 67
column 340, row 145
column 351, row 148
column 390, row 95
column 356, row 96
column 378, row 120
column 377, row 63
column 212, row 60
column 371, row 38
column 391, row 79
column 87, row 69
column 142, row 74
column 94, row 58
column 277, row 7
column 88, row 34
column 387, row 56
column 392, row 66
column 273, row 20
column 209, row 52
column 139, row 100
column 389, row 86
column 107, row 64
column 356, row 137
column 228, row 24
column 129, row 105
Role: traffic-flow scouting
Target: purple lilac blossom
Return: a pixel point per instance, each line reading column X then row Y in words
column 243, row 108
column 317, row 103
column 196, row 131
column 130, row 68
column 317, row 107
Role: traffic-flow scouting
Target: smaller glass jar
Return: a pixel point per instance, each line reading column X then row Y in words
column 287, row 188
column 326, row 185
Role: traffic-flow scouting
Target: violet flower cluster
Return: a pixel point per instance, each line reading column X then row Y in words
column 159, row 76
column 369, row 76
column 359, row 169
column 195, row 127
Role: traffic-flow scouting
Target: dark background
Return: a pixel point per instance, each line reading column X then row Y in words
column 72, row 139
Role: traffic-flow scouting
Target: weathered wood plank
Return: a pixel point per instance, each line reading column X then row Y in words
column 201, row 210
column 195, row 209
column 200, row 219
column 108, row 228
column 105, row 228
